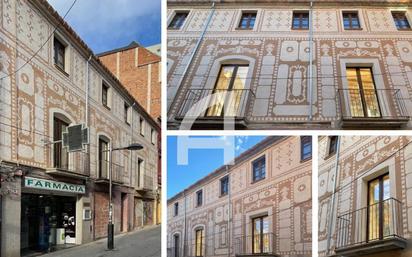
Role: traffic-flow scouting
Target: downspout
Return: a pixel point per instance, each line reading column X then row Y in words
column 332, row 212
column 229, row 212
column 184, row 227
column 183, row 75
column 131, row 167
column 86, row 121
column 310, row 81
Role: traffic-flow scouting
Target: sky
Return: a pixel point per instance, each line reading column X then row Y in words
column 107, row 24
column 201, row 162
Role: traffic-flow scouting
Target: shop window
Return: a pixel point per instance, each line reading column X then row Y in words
column 351, row 20
column 259, row 169
column 178, row 20
column 333, row 145
column 103, row 158
column 224, row 186
column 305, row 147
column 59, row 54
column 247, row 20
column 199, row 242
column 199, row 198
column 300, row 20
column 260, row 235
column 231, row 84
column 363, row 100
column 176, row 209
column 61, row 156
column 401, row 21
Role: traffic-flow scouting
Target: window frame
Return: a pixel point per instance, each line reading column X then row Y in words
column 350, row 13
column 152, row 136
column 262, row 175
column 105, row 100
column 126, row 113
column 335, row 144
column 101, row 154
column 300, row 13
column 199, row 193
column 223, row 180
column 58, row 149
column 176, row 209
column 249, row 18
column 176, row 13
column 303, row 140
column 395, row 15
column 57, row 41
column 200, row 251
column 141, row 126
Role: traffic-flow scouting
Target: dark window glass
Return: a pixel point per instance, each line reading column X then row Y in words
column 247, row 21
column 105, row 93
column 178, row 20
column 126, row 110
column 259, row 169
column 300, row 20
column 401, row 21
column 224, row 186
column 61, row 156
column 103, row 159
column 176, row 209
column 141, row 123
column 351, row 20
column 333, row 144
column 199, row 198
column 59, row 50
column 306, row 147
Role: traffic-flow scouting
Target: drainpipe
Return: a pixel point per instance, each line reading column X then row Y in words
column 229, row 211
column 184, row 227
column 332, row 212
column 310, row 81
column 183, row 75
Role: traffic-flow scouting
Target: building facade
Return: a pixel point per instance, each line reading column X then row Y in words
column 50, row 80
column 365, row 206
column 260, row 205
column 254, row 62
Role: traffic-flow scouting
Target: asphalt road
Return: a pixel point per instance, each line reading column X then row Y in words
column 142, row 243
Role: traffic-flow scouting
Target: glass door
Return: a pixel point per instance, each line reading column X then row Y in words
column 199, row 243
column 260, row 238
column 363, row 99
column 379, row 214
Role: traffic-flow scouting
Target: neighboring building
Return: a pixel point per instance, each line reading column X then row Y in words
column 139, row 70
column 46, row 192
column 156, row 49
column 257, row 55
column 367, row 209
column 259, row 206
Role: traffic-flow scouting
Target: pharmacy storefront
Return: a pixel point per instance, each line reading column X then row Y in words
column 48, row 215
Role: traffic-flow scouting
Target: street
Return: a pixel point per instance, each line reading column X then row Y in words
column 142, row 243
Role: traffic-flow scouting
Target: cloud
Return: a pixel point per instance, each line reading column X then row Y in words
column 240, row 143
column 107, row 24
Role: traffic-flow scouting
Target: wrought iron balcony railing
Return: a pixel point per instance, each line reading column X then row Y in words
column 371, row 105
column 69, row 163
column 103, row 172
column 379, row 224
column 255, row 245
column 215, row 103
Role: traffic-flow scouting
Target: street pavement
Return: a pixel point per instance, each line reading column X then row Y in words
column 142, row 243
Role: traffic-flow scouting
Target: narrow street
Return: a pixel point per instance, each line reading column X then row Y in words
column 142, row 243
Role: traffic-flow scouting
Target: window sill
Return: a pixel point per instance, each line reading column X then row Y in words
column 61, row 70
column 329, row 155
column 302, row 29
column 107, row 107
column 248, row 29
column 257, row 181
column 305, row 160
column 352, row 29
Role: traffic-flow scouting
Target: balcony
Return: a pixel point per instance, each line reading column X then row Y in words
column 372, row 229
column 255, row 245
column 213, row 105
column 73, row 164
column 146, row 185
column 103, row 173
column 372, row 108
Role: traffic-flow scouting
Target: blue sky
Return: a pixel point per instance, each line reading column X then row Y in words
column 201, row 162
column 108, row 24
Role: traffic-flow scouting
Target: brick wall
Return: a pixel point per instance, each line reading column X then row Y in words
column 101, row 213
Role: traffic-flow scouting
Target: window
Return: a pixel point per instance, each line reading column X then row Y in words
column 141, row 126
column 140, row 171
column 379, row 208
column 126, row 113
column 103, row 158
column 351, row 20
column 105, row 95
column 333, row 145
column 259, row 169
column 61, row 156
column 152, row 136
column 260, row 232
column 176, row 245
column 363, row 100
column 59, row 52
column 305, row 147
column 231, row 80
column 247, row 21
column 178, row 20
column 199, row 243
column 401, row 21
column 199, row 198
column 300, row 20
column 176, row 209
column 224, row 186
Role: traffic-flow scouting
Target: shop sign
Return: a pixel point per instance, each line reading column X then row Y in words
column 54, row 185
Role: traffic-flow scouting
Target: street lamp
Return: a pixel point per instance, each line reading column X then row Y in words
column 110, row 226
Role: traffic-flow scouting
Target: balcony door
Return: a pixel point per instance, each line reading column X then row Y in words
column 231, row 81
column 379, row 214
column 61, row 156
column 199, row 243
column 176, row 240
column 260, row 235
column 103, row 159
column 363, row 99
